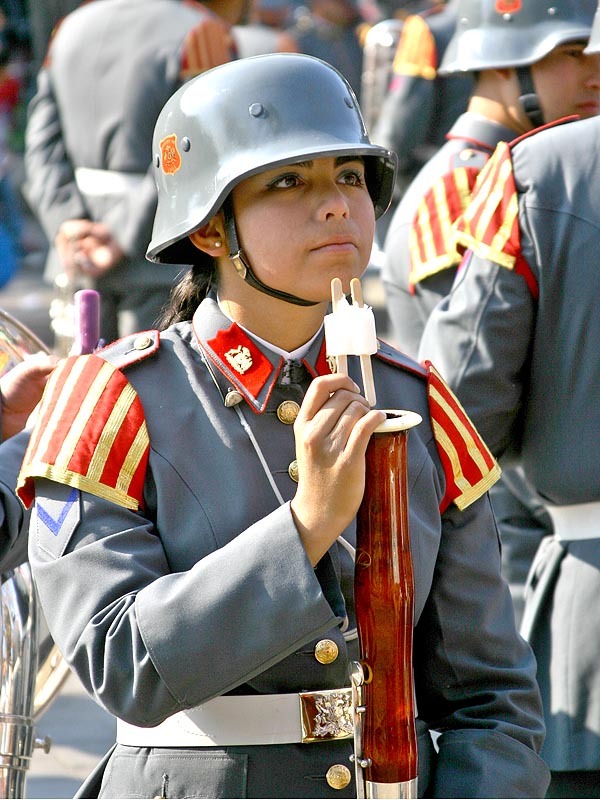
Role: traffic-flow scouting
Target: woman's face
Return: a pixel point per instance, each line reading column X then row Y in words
column 303, row 224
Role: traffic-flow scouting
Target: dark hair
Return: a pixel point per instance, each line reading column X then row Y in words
column 187, row 295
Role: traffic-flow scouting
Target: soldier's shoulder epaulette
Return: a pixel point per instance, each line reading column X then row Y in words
column 552, row 124
column 432, row 237
column 489, row 225
column 209, row 44
column 386, row 352
column 416, row 53
column 90, row 434
column 469, row 466
column 131, row 349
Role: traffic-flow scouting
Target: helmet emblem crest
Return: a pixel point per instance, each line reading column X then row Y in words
column 508, row 6
column 170, row 155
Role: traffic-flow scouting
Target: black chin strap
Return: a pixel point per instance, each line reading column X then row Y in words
column 244, row 269
column 529, row 100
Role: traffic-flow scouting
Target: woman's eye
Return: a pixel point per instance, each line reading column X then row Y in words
column 353, row 178
column 286, row 181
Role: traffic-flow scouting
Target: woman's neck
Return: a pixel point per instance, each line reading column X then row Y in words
column 280, row 323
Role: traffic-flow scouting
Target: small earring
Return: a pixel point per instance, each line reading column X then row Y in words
column 218, row 243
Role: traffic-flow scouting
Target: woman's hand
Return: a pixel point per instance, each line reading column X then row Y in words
column 21, row 390
column 332, row 431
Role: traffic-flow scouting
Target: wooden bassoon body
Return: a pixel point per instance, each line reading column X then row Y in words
column 385, row 734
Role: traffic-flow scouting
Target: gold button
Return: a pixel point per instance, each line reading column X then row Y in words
column 326, row 651
column 293, row 470
column 142, row 343
column 338, row 776
column 232, row 398
column 287, row 412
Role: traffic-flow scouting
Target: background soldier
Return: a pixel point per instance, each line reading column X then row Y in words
column 420, row 105
column 529, row 67
column 517, row 338
column 110, row 67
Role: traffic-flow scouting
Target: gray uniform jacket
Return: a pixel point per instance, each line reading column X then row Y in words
column 420, row 263
column 517, row 340
column 13, row 517
column 111, row 67
column 207, row 589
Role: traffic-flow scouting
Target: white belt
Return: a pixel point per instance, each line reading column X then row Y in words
column 250, row 720
column 580, row 521
column 103, row 182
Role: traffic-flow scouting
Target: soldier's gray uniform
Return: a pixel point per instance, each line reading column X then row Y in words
column 208, row 590
column 111, row 66
column 517, row 340
column 414, row 287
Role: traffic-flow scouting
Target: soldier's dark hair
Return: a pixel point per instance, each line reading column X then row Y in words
column 187, row 295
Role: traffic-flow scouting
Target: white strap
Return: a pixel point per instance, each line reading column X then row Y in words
column 102, row 182
column 572, row 523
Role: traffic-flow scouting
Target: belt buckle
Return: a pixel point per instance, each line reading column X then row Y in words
column 326, row 715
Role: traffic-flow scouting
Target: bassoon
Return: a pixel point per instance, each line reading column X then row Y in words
column 385, row 742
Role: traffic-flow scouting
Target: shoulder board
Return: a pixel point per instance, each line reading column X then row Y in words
column 385, row 352
column 490, row 224
column 469, row 466
column 90, row 434
column 208, row 45
column 416, row 54
column 552, row 124
column 432, row 238
column 131, row 349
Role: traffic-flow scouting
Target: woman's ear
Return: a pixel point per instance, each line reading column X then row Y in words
column 210, row 238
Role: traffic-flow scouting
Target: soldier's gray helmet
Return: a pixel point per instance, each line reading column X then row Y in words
column 492, row 34
column 245, row 117
column 593, row 45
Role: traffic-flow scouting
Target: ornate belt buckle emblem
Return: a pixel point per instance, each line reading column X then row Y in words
column 326, row 715
column 240, row 358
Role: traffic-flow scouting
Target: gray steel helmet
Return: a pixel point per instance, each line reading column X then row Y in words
column 243, row 118
column 491, row 34
column 594, row 42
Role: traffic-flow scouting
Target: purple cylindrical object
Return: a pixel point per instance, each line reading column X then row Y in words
column 86, row 322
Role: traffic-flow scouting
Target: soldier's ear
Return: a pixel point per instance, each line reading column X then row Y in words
column 210, row 238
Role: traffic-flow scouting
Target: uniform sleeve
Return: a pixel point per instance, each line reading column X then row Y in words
column 147, row 642
column 474, row 675
column 478, row 337
column 13, row 518
column 50, row 185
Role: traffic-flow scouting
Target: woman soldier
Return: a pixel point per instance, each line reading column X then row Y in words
column 192, row 546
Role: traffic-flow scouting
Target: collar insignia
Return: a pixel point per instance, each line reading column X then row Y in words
column 240, row 358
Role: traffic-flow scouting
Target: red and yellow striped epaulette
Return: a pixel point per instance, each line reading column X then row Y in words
column 416, row 54
column 490, row 224
column 432, row 240
column 90, row 434
column 469, row 466
column 209, row 44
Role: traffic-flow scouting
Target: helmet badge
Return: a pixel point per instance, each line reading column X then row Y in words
column 170, row 155
column 508, row 6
